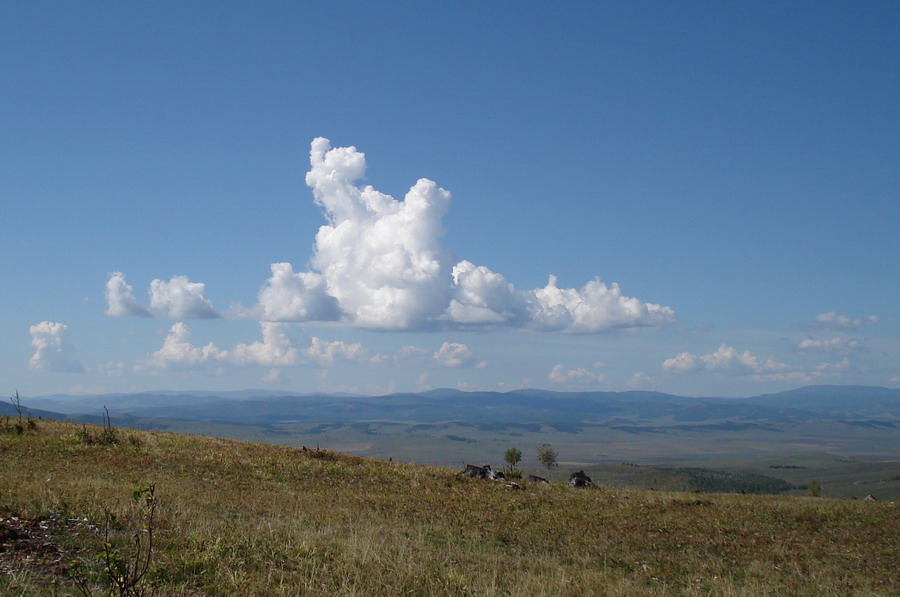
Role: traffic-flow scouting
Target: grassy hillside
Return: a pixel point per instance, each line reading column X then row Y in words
column 846, row 460
column 237, row 518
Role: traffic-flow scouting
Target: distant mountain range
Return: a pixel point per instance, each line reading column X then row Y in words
column 811, row 403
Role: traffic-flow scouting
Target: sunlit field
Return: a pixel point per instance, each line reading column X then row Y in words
column 236, row 518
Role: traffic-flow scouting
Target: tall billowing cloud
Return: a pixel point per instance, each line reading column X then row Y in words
column 381, row 259
column 120, row 299
column 179, row 298
column 381, row 263
column 50, row 352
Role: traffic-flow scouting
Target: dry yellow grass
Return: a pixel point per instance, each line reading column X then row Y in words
column 250, row 519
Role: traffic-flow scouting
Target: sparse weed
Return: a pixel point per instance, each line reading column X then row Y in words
column 22, row 424
column 107, row 436
column 124, row 562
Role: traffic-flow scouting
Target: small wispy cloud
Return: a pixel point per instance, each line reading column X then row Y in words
column 410, row 355
column 838, row 345
column 835, row 321
column 579, row 376
column 325, row 353
column 453, row 354
column 833, row 368
column 112, row 369
column 640, row 380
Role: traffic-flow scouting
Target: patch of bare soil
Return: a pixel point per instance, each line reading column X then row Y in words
column 33, row 545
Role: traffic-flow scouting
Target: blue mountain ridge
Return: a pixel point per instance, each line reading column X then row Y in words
column 529, row 405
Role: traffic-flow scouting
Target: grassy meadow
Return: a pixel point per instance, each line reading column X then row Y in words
column 239, row 518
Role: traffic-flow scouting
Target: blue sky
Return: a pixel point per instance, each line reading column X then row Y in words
column 228, row 195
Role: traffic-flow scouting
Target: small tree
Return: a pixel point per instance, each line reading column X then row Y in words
column 813, row 488
column 513, row 457
column 547, row 456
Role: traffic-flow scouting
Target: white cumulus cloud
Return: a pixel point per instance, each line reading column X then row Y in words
column 381, row 259
column 51, row 353
column 177, row 353
column 276, row 349
column 594, row 308
column 290, row 296
column 729, row 361
column 481, row 296
column 724, row 359
column 120, row 301
column 179, row 298
column 683, row 361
